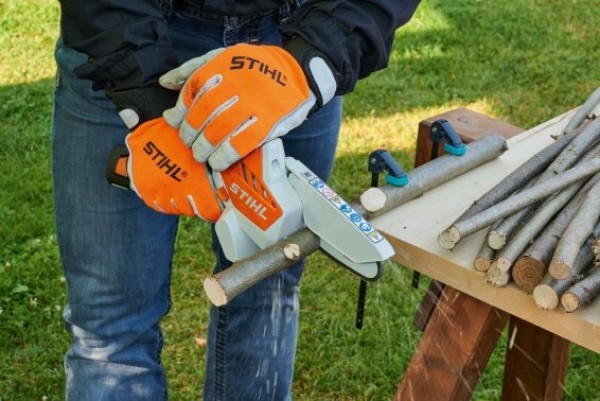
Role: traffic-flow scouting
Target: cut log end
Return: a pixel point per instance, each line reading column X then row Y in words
column 527, row 273
column 570, row 302
column 504, row 264
column 215, row 291
column 496, row 240
column 449, row 238
column 292, row 252
column 373, row 199
column 545, row 297
column 497, row 276
column 482, row 264
column 559, row 270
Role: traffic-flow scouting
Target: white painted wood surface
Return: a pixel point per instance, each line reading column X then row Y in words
column 413, row 229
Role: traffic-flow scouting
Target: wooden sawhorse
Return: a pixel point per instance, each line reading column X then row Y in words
column 460, row 332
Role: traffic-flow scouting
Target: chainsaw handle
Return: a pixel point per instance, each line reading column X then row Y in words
column 116, row 167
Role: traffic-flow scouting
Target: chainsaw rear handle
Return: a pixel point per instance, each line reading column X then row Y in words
column 116, row 167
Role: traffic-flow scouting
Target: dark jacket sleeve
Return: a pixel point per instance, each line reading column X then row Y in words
column 354, row 35
column 126, row 41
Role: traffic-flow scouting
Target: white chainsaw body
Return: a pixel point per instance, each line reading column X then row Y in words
column 304, row 200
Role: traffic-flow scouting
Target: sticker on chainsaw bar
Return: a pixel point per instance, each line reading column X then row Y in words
column 338, row 202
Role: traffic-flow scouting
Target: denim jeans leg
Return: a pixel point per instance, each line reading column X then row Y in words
column 115, row 251
column 252, row 340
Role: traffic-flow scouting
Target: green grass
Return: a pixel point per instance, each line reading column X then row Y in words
column 523, row 61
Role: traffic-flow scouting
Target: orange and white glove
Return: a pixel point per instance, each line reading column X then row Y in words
column 164, row 173
column 235, row 99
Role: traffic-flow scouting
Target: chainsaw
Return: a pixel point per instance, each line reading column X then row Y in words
column 267, row 196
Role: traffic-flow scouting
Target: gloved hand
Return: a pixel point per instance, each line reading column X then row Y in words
column 155, row 163
column 235, row 99
column 163, row 172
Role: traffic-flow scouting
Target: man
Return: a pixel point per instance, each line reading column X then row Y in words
column 116, row 248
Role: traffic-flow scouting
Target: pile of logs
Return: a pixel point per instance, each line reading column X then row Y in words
column 542, row 220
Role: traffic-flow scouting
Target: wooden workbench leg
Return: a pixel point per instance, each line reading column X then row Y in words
column 536, row 363
column 454, row 349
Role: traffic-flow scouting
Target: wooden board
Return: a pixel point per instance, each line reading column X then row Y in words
column 413, row 229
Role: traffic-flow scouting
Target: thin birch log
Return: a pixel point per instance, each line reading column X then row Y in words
column 224, row 286
column 582, row 293
column 582, row 113
column 463, row 228
column 578, row 230
column 378, row 200
column 507, row 256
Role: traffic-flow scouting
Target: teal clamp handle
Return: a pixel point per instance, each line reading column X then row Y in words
column 400, row 181
column 458, row 150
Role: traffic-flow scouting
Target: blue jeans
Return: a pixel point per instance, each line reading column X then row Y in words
column 117, row 253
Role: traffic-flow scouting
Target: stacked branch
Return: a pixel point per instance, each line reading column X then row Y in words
column 540, row 232
column 582, row 293
column 548, row 291
column 532, row 264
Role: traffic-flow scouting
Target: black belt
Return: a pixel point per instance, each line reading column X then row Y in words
column 200, row 7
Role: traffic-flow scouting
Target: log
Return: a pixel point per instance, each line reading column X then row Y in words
column 578, row 230
column 582, row 293
column 582, row 113
column 463, row 228
column 224, row 286
column 378, row 200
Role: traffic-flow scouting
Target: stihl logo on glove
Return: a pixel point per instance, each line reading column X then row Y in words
column 163, row 172
column 241, row 62
column 164, row 162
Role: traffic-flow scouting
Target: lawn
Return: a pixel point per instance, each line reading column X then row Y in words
column 522, row 61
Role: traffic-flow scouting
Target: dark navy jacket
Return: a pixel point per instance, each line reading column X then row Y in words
column 128, row 45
